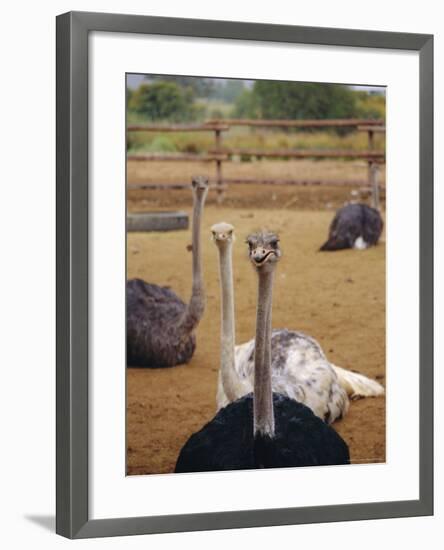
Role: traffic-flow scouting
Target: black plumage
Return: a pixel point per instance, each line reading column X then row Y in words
column 352, row 222
column 228, row 441
column 155, row 338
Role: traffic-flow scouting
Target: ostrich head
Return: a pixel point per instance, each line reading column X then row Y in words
column 222, row 233
column 200, row 187
column 264, row 251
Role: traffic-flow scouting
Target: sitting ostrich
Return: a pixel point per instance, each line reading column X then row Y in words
column 300, row 369
column 356, row 225
column 263, row 429
column 160, row 326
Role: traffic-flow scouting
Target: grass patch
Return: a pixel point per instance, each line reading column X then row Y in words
column 249, row 138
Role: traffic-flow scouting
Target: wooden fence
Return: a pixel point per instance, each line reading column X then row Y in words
column 220, row 154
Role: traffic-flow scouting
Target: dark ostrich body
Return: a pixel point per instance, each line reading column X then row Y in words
column 263, row 429
column 352, row 222
column 155, row 338
column 228, row 441
column 160, row 326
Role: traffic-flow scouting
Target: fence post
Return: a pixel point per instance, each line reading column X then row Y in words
column 375, row 185
column 371, row 145
column 219, row 180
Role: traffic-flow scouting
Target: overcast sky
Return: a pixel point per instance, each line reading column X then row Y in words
column 134, row 81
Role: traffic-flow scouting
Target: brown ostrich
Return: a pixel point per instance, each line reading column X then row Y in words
column 160, row 326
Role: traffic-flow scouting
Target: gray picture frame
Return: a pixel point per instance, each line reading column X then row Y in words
column 72, row 517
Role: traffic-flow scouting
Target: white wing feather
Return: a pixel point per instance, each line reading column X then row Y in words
column 301, row 371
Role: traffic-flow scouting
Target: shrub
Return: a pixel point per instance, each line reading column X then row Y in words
column 370, row 105
column 162, row 101
column 162, row 144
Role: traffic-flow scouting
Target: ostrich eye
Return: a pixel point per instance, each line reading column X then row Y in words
column 274, row 242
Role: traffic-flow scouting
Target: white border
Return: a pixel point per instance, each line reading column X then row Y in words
column 111, row 493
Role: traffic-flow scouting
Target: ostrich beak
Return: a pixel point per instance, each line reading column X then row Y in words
column 222, row 232
column 259, row 256
column 199, row 183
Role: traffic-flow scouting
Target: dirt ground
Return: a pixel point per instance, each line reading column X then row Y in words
column 322, row 197
column 338, row 298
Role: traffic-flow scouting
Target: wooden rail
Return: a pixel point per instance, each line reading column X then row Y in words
column 302, row 153
column 367, row 128
column 172, row 186
column 301, row 182
column 222, row 154
column 314, row 123
column 181, row 157
column 256, row 181
column 178, row 128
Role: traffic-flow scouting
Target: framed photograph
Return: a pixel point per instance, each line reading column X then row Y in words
column 244, row 275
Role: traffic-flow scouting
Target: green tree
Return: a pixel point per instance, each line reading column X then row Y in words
column 162, row 101
column 227, row 90
column 247, row 105
column 129, row 93
column 303, row 100
column 200, row 87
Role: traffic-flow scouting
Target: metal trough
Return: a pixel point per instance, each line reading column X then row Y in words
column 156, row 221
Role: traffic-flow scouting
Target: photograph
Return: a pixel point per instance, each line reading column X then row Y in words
column 256, row 274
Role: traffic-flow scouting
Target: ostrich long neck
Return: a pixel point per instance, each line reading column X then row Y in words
column 263, row 395
column 195, row 308
column 230, row 379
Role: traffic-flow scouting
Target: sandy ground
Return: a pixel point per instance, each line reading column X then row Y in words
column 338, row 298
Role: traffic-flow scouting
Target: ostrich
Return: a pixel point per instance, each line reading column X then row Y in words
column 300, row 369
column 356, row 225
column 160, row 326
column 263, row 429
